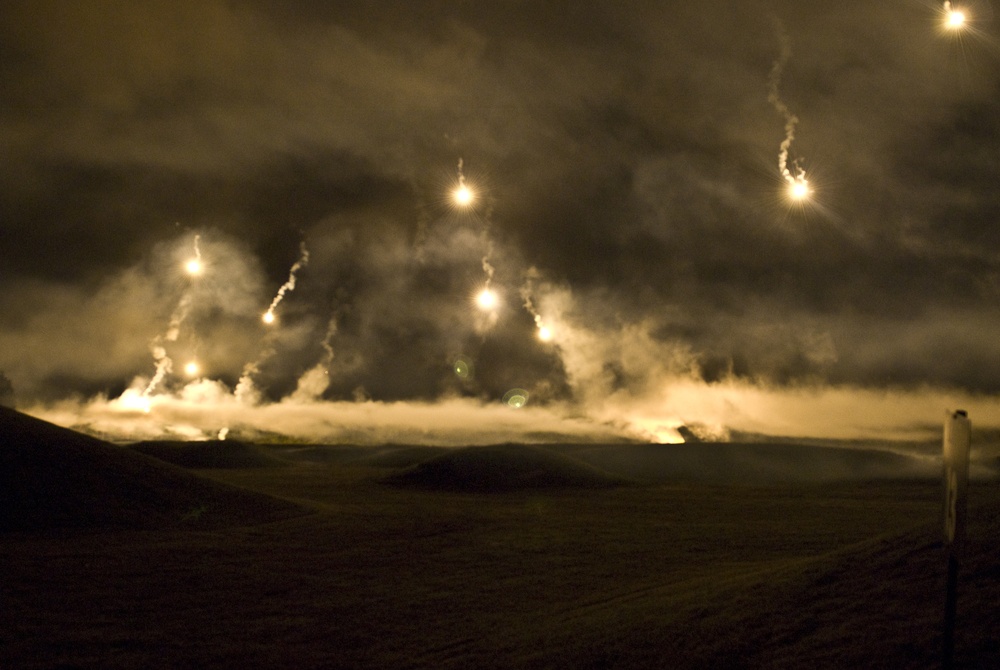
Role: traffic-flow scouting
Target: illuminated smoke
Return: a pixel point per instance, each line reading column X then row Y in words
column 797, row 181
column 195, row 266
column 288, row 285
column 314, row 382
column 164, row 365
column 488, row 268
column 462, row 195
column 246, row 391
column 527, row 291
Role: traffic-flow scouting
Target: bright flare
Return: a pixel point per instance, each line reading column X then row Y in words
column 463, row 196
column 268, row 317
column 192, row 369
column 487, row 299
column 193, row 267
column 953, row 18
column 544, row 334
column 798, row 189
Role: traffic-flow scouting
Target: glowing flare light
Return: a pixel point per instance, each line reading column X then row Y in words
column 463, row 196
column 487, row 299
column 954, row 18
column 798, row 189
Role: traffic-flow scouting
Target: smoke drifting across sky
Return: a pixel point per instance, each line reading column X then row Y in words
column 625, row 156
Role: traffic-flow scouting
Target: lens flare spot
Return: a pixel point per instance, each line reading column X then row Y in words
column 487, row 299
column 463, row 368
column 516, row 398
column 268, row 317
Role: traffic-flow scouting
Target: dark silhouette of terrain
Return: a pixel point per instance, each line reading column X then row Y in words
column 51, row 477
column 555, row 556
column 507, row 467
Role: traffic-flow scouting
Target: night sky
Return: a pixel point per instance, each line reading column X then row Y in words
column 625, row 163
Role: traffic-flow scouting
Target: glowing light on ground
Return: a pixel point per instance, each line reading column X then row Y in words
column 487, row 299
column 192, row 369
column 268, row 317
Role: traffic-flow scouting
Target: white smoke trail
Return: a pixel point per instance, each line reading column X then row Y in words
column 164, row 365
column 527, row 293
column 488, row 268
column 791, row 120
column 290, row 284
column 246, row 391
column 316, row 379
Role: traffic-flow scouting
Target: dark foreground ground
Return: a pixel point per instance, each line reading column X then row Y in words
column 369, row 569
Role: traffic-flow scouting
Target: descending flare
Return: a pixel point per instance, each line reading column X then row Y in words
column 798, row 185
column 191, row 369
column 288, row 285
column 462, row 195
column 194, row 265
column 953, row 18
column 544, row 333
column 487, row 299
column 798, row 188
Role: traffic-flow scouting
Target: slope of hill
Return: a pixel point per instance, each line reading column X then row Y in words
column 52, row 477
column 223, row 454
column 506, row 467
column 750, row 463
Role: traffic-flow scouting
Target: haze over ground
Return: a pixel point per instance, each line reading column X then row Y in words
column 627, row 165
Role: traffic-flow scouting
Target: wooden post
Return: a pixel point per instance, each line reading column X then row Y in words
column 957, row 443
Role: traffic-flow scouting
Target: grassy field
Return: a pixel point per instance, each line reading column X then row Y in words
column 368, row 574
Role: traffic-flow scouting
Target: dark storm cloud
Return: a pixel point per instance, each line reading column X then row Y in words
column 628, row 153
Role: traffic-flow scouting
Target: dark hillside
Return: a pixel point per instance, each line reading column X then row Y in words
column 51, row 477
column 506, row 467
column 224, row 454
